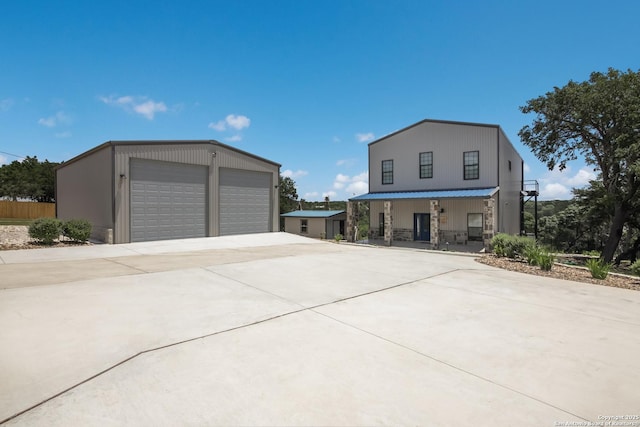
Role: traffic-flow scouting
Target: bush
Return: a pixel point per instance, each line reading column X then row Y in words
column 78, row 230
column 517, row 246
column 545, row 260
column 338, row 237
column 598, row 268
column 45, row 230
column 498, row 244
column 635, row 268
column 532, row 253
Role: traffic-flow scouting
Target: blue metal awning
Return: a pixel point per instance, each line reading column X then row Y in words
column 311, row 214
column 435, row 194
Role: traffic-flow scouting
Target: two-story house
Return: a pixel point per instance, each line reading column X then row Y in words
column 438, row 181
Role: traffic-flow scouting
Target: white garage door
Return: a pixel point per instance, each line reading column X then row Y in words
column 168, row 200
column 245, row 202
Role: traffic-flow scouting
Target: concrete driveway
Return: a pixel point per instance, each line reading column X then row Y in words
column 275, row 329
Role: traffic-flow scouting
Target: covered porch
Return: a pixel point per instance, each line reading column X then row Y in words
column 450, row 219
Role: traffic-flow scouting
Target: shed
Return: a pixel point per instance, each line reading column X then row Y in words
column 133, row 191
column 317, row 224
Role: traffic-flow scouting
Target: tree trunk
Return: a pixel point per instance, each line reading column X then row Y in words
column 615, row 232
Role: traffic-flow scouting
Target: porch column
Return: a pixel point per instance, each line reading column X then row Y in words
column 435, row 224
column 351, row 222
column 489, row 221
column 388, row 222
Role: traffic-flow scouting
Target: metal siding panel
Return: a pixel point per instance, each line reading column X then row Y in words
column 447, row 141
column 168, row 200
column 83, row 190
column 245, row 201
column 510, row 186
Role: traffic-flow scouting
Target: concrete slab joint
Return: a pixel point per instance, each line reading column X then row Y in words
column 388, row 222
column 435, row 224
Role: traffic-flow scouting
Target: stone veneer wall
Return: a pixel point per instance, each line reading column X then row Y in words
column 351, row 221
column 388, row 222
column 489, row 222
column 435, row 224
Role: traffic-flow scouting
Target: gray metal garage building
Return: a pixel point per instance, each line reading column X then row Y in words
column 135, row 191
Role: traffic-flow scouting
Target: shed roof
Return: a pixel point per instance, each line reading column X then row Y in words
column 435, row 194
column 311, row 214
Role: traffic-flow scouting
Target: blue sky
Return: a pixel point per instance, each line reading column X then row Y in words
column 304, row 83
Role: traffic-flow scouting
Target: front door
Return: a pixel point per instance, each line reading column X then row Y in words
column 422, row 226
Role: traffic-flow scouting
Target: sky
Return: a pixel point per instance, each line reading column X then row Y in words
column 307, row 84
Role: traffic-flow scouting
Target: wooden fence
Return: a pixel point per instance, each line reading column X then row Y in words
column 26, row 210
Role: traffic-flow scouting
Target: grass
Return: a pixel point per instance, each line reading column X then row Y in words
column 15, row 221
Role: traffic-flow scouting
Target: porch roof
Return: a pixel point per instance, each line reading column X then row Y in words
column 434, row 194
column 311, row 214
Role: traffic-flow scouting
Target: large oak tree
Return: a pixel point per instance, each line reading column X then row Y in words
column 598, row 119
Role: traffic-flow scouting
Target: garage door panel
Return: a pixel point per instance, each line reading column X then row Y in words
column 168, row 200
column 245, row 201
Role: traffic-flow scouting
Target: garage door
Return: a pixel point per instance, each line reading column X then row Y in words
column 245, row 202
column 168, row 200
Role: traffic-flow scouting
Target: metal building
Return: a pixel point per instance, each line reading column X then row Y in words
column 133, row 191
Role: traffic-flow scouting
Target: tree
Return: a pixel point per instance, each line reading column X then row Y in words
column 600, row 120
column 28, row 179
column 288, row 194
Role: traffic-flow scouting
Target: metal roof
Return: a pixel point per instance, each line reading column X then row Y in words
column 311, row 214
column 435, row 194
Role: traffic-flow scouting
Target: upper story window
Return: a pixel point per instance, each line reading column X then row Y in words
column 426, row 165
column 387, row 171
column 471, row 165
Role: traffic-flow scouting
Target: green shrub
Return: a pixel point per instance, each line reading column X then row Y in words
column 516, row 246
column 635, row 268
column 598, row 268
column 498, row 244
column 45, row 230
column 545, row 260
column 78, row 230
column 338, row 237
column 532, row 253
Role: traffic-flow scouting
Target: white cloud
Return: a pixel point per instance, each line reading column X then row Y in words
column 358, row 184
column 141, row 105
column 3, row 160
column 237, row 122
column 557, row 185
column 60, row 118
column 365, row 137
column 336, row 139
column 288, row 173
column 310, row 196
column 65, row 134
column 526, row 168
column 219, row 125
column 5, row 104
column 234, row 138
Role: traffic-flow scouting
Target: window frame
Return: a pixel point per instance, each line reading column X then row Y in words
column 468, row 168
column 387, row 175
column 304, row 226
column 425, row 165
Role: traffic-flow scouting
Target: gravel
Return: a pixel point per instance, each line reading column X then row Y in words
column 561, row 271
column 17, row 237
